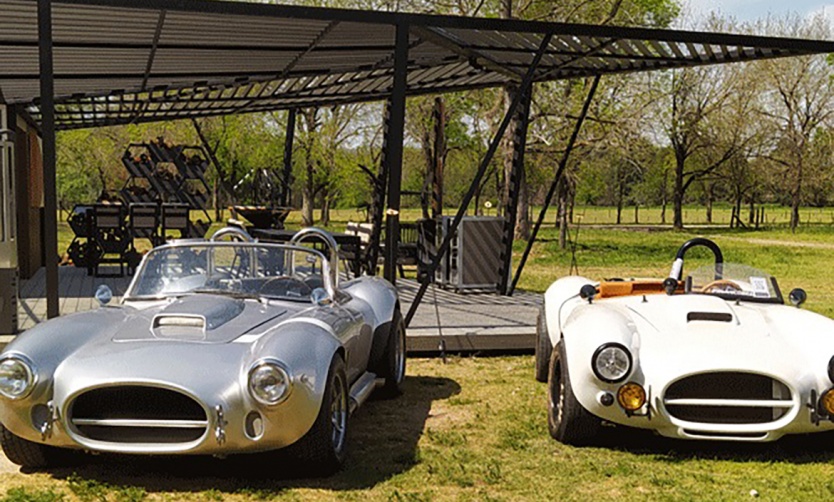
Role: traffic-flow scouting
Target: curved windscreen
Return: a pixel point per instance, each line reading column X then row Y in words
column 234, row 269
column 733, row 281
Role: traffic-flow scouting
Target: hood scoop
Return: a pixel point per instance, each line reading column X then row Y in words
column 189, row 318
column 709, row 316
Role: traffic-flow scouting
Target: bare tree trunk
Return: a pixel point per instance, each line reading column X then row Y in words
column 664, row 197
column 710, row 197
column 308, row 191
column 325, row 205
column 677, row 195
column 563, row 215
column 796, row 197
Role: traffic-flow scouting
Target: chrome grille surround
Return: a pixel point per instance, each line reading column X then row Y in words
column 728, row 397
column 137, row 414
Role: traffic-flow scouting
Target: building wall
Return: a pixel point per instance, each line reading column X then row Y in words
column 29, row 198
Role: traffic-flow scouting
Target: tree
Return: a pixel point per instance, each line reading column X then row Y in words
column 800, row 100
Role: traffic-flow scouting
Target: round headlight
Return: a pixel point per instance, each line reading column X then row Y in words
column 269, row 382
column 611, row 363
column 16, row 378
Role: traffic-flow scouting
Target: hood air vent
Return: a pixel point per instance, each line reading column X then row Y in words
column 709, row 316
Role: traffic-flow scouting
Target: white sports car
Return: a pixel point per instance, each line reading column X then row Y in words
column 713, row 355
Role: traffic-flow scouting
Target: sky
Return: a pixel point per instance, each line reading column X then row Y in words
column 749, row 10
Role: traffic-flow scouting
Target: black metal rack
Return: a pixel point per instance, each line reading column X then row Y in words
column 164, row 173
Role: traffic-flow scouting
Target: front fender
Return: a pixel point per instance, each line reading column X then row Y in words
column 306, row 346
column 586, row 329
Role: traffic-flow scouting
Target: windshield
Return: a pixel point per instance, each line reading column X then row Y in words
column 235, row 269
column 733, row 282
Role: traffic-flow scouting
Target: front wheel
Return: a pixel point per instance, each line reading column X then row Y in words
column 26, row 453
column 323, row 448
column 543, row 348
column 567, row 420
column 393, row 359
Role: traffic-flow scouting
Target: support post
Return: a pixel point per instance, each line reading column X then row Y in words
column 50, row 203
column 377, row 209
column 519, row 142
column 563, row 162
column 288, row 145
column 524, row 87
column 394, row 155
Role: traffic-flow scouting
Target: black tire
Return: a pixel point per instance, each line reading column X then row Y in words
column 25, row 453
column 323, row 448
column 543, row 348
column 568, row 421
column 394, row 358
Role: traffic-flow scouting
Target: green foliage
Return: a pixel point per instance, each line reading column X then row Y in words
column 23, row 494
column 89, row 490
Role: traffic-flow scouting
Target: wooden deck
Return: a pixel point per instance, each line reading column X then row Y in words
column 468, row 322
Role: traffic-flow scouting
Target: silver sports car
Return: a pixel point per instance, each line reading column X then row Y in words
column 218, row 347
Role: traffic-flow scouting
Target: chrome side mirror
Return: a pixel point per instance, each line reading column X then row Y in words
column 797, row 297
column 104, row 295
column 320, row 297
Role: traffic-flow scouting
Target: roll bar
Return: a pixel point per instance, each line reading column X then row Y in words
column 332, row 253
column 240, row 233
column 677, row 266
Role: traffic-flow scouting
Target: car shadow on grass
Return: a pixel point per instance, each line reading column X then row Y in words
column 794, row 449
column 382, row 442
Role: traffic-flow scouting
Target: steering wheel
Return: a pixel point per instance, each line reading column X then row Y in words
column 721, row 285
column 286, row 286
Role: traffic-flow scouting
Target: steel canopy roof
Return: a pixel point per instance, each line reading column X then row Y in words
column 120, row 61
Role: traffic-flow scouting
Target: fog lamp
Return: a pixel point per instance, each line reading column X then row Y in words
column 632, row 396
column 827, row 401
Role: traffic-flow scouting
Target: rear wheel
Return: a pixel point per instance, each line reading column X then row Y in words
column 567, row 420
column 543, row 348
column 393, row 359
column 323, row 448
column 25, row 453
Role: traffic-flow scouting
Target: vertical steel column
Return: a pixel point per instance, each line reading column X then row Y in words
column 377, row 210
column 288, row 144
column 394, row 157
column 526, row 84
column 561, row 169
column 519, row 142
column 47, row 105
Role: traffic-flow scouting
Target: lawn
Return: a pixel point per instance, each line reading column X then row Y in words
column 475, row 427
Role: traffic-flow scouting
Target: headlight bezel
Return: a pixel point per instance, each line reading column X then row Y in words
column 614, row 345
column 273, row 364
column 831, row 369
column 31, row 375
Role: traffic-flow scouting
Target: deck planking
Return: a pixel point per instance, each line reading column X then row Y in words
column 469, row 322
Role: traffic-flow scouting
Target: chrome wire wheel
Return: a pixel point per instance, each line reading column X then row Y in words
column 339, row 413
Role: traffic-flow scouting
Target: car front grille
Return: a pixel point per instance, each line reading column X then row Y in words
column 728, row 398
column 138, row 414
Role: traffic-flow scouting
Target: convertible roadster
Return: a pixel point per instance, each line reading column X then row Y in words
column 713, row 355
column 219, row 347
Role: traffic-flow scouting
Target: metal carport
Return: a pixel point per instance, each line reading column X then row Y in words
column 89, row 63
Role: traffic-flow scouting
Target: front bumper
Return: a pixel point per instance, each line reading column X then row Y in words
column 797, row 414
